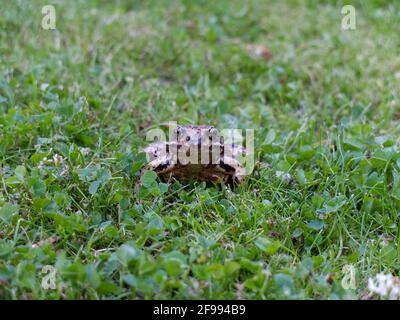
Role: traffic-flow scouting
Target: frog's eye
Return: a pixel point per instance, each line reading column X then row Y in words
column 213, row 133
column 187, row 138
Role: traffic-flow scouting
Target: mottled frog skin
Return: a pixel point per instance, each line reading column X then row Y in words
column 214, row 161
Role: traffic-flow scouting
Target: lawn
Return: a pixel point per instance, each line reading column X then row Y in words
column 316, row 219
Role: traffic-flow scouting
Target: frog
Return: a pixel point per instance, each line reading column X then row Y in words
column 196, row 152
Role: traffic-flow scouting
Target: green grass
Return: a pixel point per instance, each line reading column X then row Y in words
column 325, row 109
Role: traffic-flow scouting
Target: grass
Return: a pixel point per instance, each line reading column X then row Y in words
column 75, row 106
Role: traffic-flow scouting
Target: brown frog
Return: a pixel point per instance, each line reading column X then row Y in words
column 196, row 151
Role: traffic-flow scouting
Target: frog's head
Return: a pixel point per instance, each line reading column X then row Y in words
column 191, row 134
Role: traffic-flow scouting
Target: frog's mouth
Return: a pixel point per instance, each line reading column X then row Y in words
column 202, row 154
